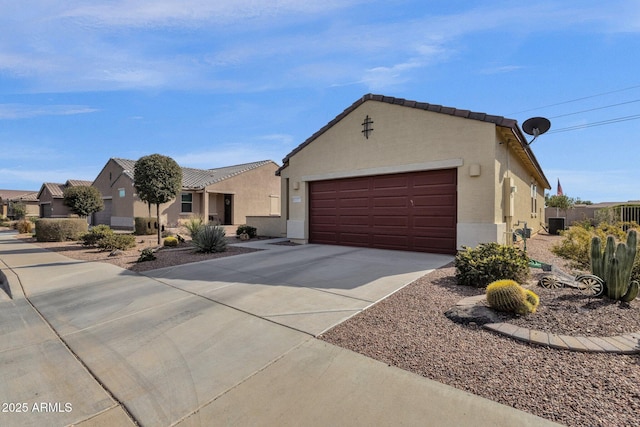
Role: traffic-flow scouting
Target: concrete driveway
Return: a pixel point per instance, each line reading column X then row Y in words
column 222, row 342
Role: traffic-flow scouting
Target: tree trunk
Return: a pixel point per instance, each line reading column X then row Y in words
column 158, row 221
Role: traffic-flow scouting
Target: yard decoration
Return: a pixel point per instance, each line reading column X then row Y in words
column 509, row 296
column 614, row 266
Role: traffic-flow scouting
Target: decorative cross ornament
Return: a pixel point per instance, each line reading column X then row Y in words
column 366, row 126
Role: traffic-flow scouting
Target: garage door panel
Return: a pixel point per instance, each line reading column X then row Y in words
column 434, row 200
column 413, row 211
column 355, row 220
column 390, row 201
column 390, row 221
column 435, row 178
column 386, row 241
column 358, row 202
column 390, row 182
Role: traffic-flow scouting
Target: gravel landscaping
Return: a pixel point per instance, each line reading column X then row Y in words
column 409, row 330
column 165, row 257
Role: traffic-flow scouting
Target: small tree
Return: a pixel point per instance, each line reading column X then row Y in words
column 19, row 210
column 560, row 202
column 158, row 180
column 83, row 200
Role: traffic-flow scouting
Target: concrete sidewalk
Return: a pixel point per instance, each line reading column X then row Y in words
column 223, row 342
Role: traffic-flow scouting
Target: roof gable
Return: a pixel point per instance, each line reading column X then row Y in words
column 55, row 189
column 500, row 121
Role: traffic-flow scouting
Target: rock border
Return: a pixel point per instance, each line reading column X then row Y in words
column 619, row 344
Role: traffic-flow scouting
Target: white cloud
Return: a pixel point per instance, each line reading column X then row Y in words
column 231, row 154
column 23, row 111
column 35, row 178
column 113, row 45
column 177, row 12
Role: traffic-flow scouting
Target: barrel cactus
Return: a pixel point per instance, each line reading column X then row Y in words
column 614, row 266
column 509, row 296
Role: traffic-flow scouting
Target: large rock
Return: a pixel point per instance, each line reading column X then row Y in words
column 478, row 314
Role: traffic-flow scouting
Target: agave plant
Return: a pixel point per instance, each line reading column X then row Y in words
column 209, row 238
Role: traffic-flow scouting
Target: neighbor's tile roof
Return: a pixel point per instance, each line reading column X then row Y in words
column 55, row 189
column 127, row 166
column 199, row 178
column 78, row 183
column 27, row 197
column 12, row 194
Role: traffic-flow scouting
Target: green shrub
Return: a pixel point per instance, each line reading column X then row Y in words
column 146, row 255
column 97, row 233
column 170, row 242
column 60, row 229
column 251, row 231
column 117, row 241
column 145, row 225
column 576, row 244
column 193, row 225
column 490, row 262
column 24, row 226
column 210, row 238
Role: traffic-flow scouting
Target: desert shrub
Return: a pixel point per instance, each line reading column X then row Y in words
column 576, row 243
column 60, row 229
column 117, row 241
column 249, row 230
column 489, row 262
column 210, row 238
column 193, row 225
column 146, row 255
column 170, row 242
column 24, row 226
column 97, row 233
column 145, row 225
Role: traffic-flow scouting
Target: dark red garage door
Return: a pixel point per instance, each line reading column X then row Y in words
column 413, row 211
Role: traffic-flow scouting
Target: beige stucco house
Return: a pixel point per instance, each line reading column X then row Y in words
column 398, row 174
column 224, row 195
column 10, row 197
column 51, row 198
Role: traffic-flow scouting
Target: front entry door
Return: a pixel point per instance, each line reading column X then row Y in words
column 228, row 203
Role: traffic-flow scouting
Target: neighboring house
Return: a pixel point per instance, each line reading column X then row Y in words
column 224, row 195
column 9, row 197
column 51, row 198
column 398, row 174
column 611, row 211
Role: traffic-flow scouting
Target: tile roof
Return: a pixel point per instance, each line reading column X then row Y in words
column 54, row 188
column 78, row 183
column 12, row 194
column 199, row 178
column 497, row 120
column 27, row 197
column 57, row 190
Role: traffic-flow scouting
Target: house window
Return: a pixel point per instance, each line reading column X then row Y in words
column 187, row 202
column 121, row 192
column 534, row 199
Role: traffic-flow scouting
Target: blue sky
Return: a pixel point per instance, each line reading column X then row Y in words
column 216, row 83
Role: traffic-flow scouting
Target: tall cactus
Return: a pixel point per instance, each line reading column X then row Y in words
column 614, row 266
